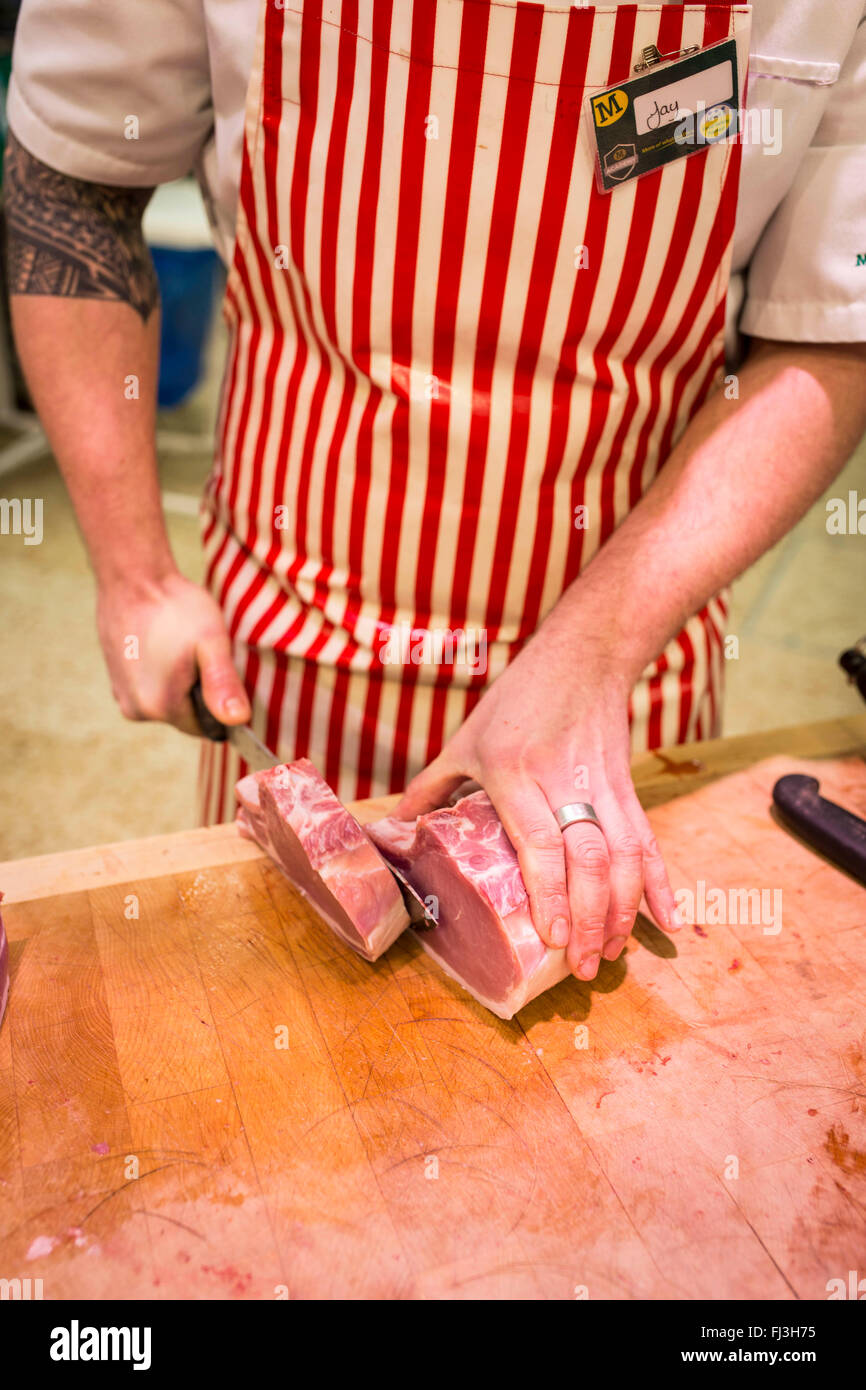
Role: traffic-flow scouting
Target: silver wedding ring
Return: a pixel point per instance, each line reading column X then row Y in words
column 575, row 812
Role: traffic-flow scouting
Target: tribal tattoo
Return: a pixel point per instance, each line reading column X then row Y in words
column 75, row 239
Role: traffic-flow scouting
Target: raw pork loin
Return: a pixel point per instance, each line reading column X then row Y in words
column 484, row 939
column 293, row 814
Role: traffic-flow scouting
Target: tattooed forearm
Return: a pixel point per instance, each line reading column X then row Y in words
column 74, row 239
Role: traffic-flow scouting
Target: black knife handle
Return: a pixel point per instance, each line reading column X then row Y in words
column 827, row 827
column 208, row 723
column 853, row 662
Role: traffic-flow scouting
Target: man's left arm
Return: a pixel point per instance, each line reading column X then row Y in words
column 742, row 474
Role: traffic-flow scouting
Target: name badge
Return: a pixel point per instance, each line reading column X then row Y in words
column 676, row 109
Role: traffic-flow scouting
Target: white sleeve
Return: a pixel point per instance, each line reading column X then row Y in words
column 112, row 91
column 807, row 275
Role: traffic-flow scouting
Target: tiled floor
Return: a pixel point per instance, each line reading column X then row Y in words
column 74, row 773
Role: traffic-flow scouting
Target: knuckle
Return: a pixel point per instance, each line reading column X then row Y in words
column 538, row 839
column 591, row 931
column 592, row 924
column 590, row 859
column 622, row 923
column 535, row 757
column 551, row 898
column 621, row 782
column 149, row 710
column 627, row 849
column 651, row 846
column 655, row 874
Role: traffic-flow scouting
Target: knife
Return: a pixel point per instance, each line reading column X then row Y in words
column 257, row 757
column 828, row 828
column 240, row 736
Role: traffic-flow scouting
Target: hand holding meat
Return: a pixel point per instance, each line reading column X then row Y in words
column 156, row 638
column 553, row 729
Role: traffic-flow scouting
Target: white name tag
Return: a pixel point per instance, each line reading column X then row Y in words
column 668, row 104
column 674, row 110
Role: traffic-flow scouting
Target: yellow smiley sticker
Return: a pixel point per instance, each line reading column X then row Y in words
column 715, row 124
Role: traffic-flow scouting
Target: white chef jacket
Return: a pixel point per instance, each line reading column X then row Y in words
column 83, row 68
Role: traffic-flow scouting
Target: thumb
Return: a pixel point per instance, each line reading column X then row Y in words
column 221, row 685
column 430, row 789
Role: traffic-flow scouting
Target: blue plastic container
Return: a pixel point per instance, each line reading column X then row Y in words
column 187, row 282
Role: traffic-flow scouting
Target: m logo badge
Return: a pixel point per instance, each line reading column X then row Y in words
column 608, row 107
column 620, row 161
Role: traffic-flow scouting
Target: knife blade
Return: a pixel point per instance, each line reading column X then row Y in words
column 258, row 758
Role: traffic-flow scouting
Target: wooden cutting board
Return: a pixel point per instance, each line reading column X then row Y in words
column 215, row 1099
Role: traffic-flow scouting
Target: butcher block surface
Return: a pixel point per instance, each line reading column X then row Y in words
column 215, row 1098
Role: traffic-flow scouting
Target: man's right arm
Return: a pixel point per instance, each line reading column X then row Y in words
column 85, row 311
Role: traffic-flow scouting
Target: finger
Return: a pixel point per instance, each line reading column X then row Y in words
column 168, row 706
column 530, row 826
column 221, row 685
column 657, row 885
column 430, row 789
column 626, row 873
column 157, row 698
column 588, row 863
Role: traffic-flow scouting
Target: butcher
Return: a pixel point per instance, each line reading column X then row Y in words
column 506, row 407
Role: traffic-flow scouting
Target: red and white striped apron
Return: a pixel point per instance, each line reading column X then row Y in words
column 444, row 343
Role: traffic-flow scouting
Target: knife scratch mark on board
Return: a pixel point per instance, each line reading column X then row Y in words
column 161, row 1216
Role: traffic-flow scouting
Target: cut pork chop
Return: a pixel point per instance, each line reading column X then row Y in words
column 320, row 847
column 462, row 863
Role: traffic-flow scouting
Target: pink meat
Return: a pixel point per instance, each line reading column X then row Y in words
column 462, row 859
column 293, row 814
